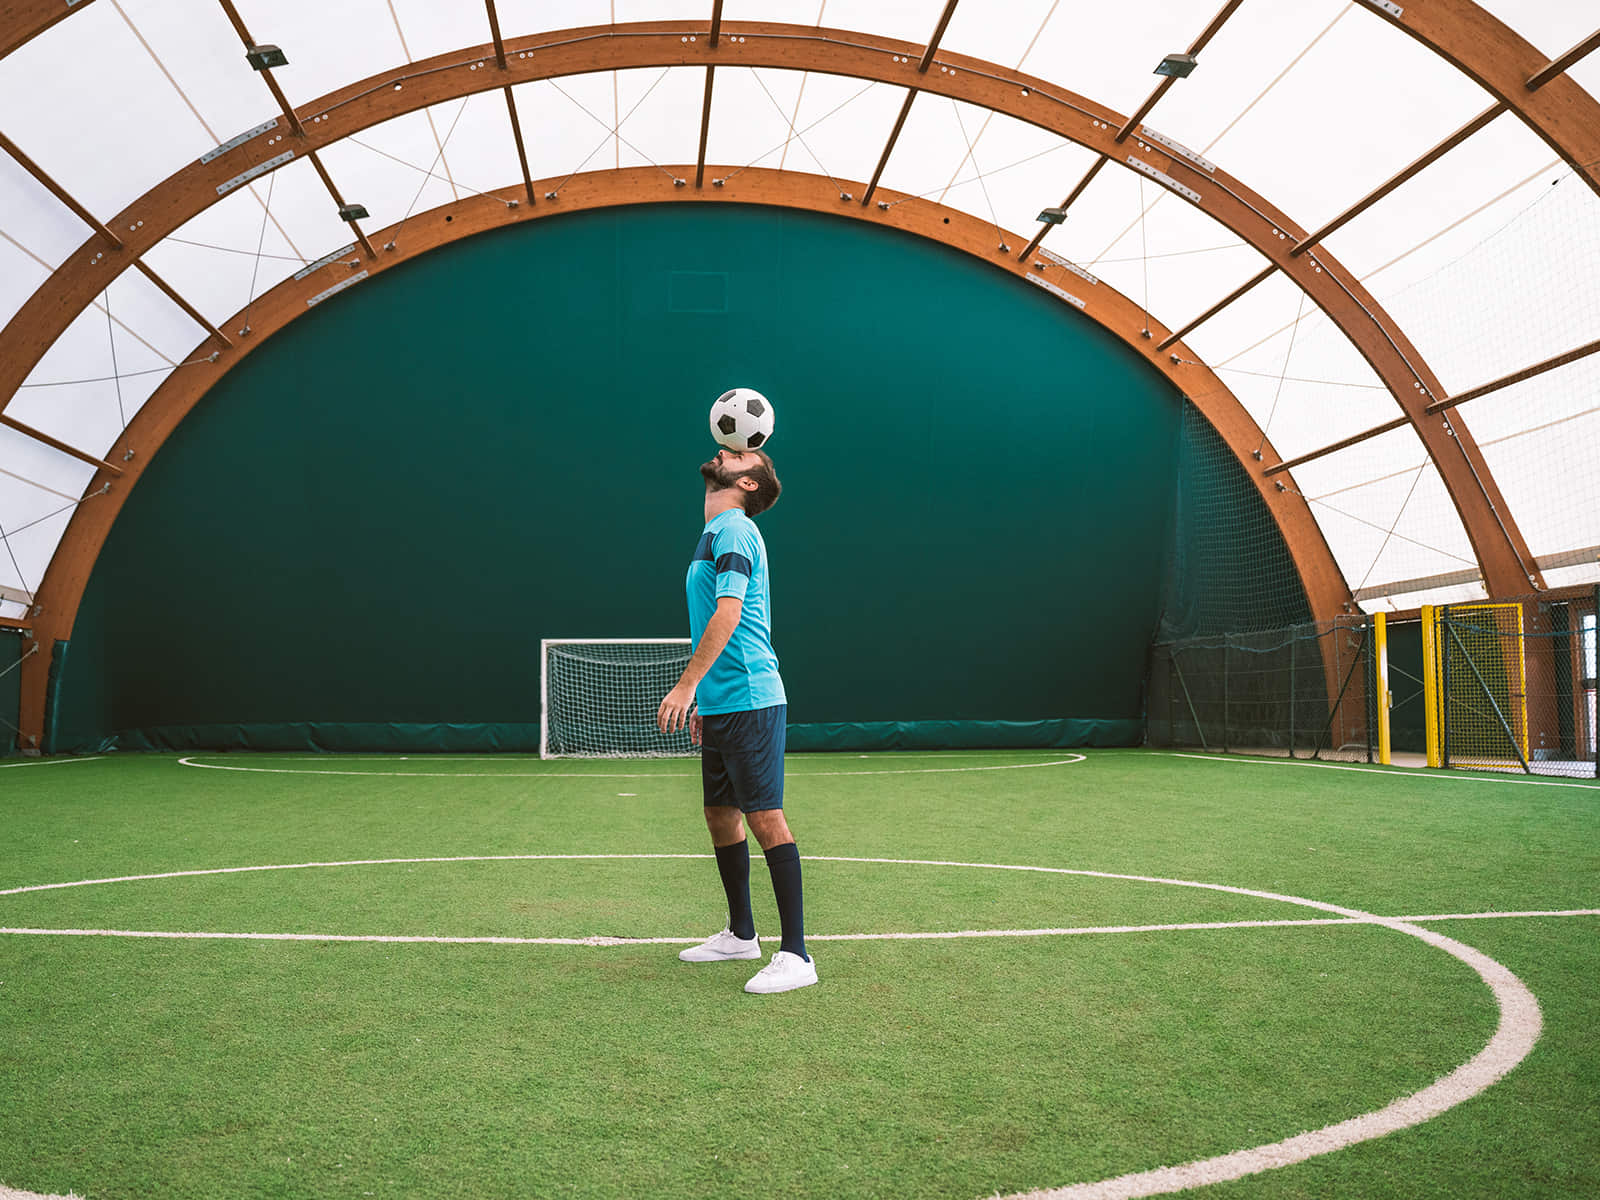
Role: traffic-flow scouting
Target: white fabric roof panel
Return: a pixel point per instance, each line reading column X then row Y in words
column 1484, row 264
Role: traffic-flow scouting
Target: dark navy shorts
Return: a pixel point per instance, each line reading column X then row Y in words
column 741, row 758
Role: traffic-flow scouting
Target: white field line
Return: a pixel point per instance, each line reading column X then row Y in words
column 189, row 762
column 355, row 862
column 1514, row 1037
column 928, row 936
column 335, row 756
column 48, row 762
column 1389, row 772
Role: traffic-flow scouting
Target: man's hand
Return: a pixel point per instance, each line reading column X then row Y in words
column 694, row 727
column 674, row 711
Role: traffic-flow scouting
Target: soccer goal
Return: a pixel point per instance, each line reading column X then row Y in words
column 599, row 696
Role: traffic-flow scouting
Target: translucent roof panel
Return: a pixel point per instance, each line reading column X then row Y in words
column 1529, row 268
column 1319, row 148
column 910, row 20
column 1488, row 261
column 108, row 144
column 1386, row 513
column 995, row 167
column 1541, row 439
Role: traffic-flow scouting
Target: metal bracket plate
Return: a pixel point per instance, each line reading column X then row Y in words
column 244, row 137
column 1059, row 292
column 335, row 289
column 259, row 169
column 1069, row 266
column 1178, row 148
column 325, row 260
column 1163, row 178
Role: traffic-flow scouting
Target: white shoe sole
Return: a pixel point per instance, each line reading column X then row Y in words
column 762, row 987
column 697, row 954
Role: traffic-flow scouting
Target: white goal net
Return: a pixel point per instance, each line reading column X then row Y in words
column 600, row 697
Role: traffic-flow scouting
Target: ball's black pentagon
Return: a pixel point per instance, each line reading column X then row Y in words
column 728, row 424
column 754, row 407
column 755, row 439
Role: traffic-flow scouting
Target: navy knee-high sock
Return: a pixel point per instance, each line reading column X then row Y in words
column 784, row 863
column 733, row 862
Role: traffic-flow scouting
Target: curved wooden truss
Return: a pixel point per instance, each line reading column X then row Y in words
column 1536, row 90
column 1502, row 554
column 68, row 574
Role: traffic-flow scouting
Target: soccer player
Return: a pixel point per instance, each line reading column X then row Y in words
column 731, row 697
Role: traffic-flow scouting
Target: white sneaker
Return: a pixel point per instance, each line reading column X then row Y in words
column 721, row 948
column 783, row 974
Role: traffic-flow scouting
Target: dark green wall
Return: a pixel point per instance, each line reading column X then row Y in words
column 370, row 525
column 1408, row 714
column 10, row 688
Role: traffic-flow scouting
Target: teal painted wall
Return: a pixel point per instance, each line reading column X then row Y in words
column 372, row 523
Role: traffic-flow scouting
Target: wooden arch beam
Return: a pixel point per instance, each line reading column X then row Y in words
column 1503, row 555
column 61, row 591
column 1502, row 61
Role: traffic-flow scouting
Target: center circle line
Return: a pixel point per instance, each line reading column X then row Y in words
column 1518, row 1029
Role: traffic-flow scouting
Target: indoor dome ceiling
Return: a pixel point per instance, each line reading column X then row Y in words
column 1483, row 263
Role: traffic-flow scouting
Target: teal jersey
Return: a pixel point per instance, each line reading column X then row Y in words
column 731, row 560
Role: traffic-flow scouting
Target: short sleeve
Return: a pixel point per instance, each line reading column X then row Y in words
column 735, row 551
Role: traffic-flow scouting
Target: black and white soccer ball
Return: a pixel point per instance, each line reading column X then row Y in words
column 741, row 419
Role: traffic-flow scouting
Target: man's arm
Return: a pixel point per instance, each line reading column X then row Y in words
column 674, row 710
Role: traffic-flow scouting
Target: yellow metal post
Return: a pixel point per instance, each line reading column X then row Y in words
column 1381, row 635
column 1431, row 700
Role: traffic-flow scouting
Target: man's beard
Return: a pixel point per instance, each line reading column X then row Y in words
column 717, row 476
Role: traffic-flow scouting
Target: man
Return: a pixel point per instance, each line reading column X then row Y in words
column 738, row 712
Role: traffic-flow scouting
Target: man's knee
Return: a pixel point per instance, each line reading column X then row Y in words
column 726, row 825
column 770, row 828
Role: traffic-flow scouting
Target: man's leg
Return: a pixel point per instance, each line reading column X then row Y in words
column 783, row 861
column 726, row 824
column 733, row 863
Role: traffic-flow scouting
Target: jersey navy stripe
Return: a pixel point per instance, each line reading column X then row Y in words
column 734, row 562
column 702, row 551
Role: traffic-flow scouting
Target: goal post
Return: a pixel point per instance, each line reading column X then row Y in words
column 598, row 697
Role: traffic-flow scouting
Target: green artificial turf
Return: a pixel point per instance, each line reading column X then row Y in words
column 960, row 1068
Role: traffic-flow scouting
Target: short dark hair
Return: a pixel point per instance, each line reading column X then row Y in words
column 768, row 489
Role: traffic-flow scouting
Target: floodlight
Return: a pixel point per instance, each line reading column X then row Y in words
column 261, row 58
column 353, row 212
column 1052, row 216
column 1178, row 66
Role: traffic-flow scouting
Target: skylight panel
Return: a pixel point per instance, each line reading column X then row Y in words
column 908, row 20
column 105, row 144
column 328, row 45
column 1487, row 280
column 1107, row 54
column 241, row 247
column 1541, row 440
column 36, row 229
column 430, row 28
column 1312, row 151
column 1386, row 514
column 1002, row 34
